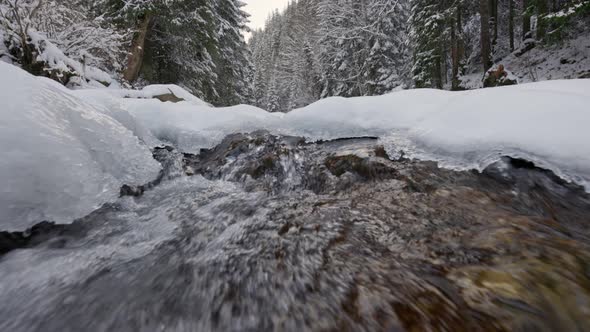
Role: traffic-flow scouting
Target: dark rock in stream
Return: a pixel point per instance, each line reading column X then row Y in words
column 48, row 233
column 266, row 233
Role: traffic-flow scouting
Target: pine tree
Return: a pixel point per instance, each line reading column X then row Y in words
column 387, row 61
column 428, row 25
column 197, row 44
column 285, row 58
column 233, row 59
column 135, row 15
column 183, row 46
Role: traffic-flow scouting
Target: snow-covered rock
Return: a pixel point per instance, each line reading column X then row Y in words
column 60, row 157
column 156, row 90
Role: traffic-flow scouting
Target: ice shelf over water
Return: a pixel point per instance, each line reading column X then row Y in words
column 60, row 157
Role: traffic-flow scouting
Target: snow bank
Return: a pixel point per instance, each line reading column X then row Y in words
column 60, row 157
column 110, row 102
column 191, row 128
column 544, row 122
column 63, row 153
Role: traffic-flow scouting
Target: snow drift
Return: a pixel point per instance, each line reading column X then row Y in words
column 543, row 122
column 60, row 157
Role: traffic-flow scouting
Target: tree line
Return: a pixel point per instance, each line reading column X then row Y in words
column 311, row 50
column 320, row 48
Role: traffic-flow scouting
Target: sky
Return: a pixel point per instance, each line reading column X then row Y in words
column 259, row 9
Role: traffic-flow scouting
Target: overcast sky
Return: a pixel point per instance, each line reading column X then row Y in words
column 259, row 9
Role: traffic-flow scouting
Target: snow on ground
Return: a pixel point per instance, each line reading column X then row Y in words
column 62, row 152
column 570, row 60
column 60, row 157
column 191, row 127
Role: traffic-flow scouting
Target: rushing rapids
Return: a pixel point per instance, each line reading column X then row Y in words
column 273, row 233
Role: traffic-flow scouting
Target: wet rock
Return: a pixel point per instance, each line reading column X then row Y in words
column 11, row 240
column 135, row 191
column 42, row 232
column 365, row 168
column 172, row 167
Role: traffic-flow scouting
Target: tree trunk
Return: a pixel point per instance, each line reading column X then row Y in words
column 440, row 65
column 511, row 24
column 494, row 20
column 526, row 20
column 444, row 71
column 362, row 85
column 542, row 10
column 458, row 49
column 135, row 58
column 485, row 35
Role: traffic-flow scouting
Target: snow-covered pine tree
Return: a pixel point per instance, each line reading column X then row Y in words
column 297, row 64
column 233, row 62
column 260, row 58
column 196, row 44
column 60, row 39
column 343, row 47
column 427, row 34
column 285, row 56
column 136, row 16
column 323, row 48
column 182, row 47
column 387, row 62
column 271, row 100
column 359, row 45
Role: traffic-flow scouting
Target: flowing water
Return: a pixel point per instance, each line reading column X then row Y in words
column 266, row 233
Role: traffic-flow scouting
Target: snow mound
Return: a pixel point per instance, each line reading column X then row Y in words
column 152, row 91
column 191, row 127
column 544, row 122
column 60, row 157
column 111, row 102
